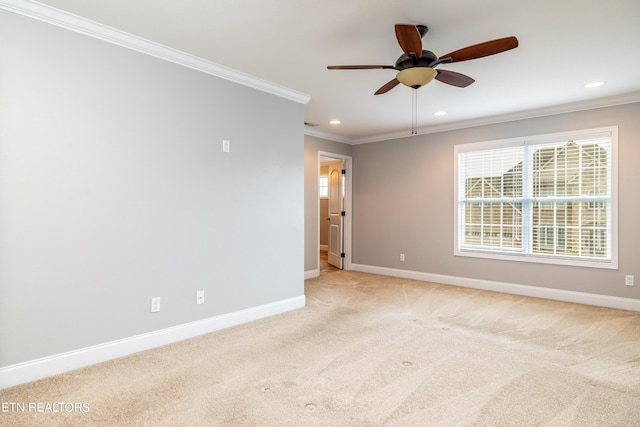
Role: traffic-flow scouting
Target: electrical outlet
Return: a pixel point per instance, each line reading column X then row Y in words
column 402, row 257
column 226, row 146
column 155, row 304
column 628, row 280
column 199, row 297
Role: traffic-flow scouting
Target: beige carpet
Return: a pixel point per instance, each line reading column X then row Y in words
column 371, row 350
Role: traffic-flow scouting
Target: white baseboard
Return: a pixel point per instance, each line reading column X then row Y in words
column 310, row 274
column 53, row 365
column 324, row 247
column 509, row 288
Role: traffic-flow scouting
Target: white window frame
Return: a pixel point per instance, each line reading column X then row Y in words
column 610, row 262
column 324, row 178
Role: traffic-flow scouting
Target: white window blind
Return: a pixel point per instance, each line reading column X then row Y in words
column 546, row 199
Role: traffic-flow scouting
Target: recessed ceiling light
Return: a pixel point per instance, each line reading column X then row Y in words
column 593, row 84
column 439, row 113
column 334, row 122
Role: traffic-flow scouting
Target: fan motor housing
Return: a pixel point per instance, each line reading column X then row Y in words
column 426, row 59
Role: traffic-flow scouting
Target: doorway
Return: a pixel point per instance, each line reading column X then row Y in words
column 335, row 210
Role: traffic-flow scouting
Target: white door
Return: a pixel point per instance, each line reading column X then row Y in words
column 336, row 215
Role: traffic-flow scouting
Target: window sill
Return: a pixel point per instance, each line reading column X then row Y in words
column 539, row 259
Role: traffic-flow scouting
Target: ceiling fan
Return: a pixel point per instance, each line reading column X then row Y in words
column 416, row 67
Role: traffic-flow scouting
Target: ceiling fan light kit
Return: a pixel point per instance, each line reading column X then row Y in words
column 416, row 77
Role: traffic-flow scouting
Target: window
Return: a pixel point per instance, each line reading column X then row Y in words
column 324, row 186
column 550, row 198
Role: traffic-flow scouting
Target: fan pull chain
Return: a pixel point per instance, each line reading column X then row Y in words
column 414, row 112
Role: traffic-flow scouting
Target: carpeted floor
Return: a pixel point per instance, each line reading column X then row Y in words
column 367, row 351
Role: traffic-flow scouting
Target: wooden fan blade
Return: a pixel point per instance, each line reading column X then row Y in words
column 454, row 79
column 482, row 49
column 387, row 87
column 409, row 39
column 359, row 67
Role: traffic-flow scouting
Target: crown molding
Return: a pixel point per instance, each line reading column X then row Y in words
column 590, row 104
column 326, row 135
column 59, row 18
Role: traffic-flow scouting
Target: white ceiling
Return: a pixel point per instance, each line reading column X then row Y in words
column 563, row 45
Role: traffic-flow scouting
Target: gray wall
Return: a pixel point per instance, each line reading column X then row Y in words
column 114, row 189
column 312, row 145
column 403, row 203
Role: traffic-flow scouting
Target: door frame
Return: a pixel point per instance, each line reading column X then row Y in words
column 348, row 206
